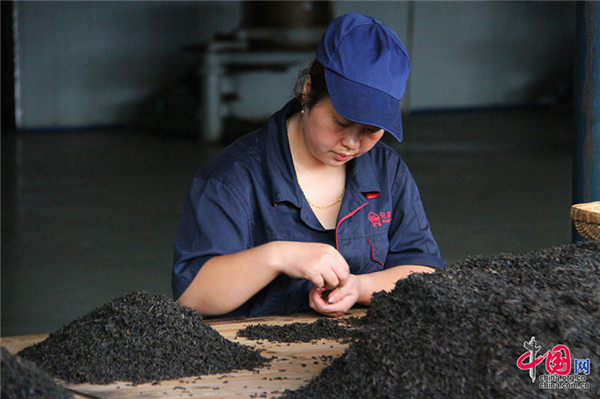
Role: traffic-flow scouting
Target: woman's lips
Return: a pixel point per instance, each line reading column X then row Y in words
column 341, row 157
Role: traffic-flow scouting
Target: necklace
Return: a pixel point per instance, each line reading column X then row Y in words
column 338, row 200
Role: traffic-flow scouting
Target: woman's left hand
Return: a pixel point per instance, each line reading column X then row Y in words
column 339, row 300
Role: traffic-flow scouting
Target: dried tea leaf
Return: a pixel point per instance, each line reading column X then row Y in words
column 457, row 333
column 323, row 328
column 139, row 337
column 23, row 379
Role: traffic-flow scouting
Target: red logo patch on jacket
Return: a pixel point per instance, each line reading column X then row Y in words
column 379, row 218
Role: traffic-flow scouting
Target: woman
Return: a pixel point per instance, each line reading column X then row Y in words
column 311, row 211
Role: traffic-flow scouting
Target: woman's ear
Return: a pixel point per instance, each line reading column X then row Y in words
column 305, row 90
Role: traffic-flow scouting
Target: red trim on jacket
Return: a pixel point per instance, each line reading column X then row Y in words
column 340, row 222
column 372, row 253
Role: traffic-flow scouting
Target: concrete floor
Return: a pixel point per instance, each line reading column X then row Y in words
column 90, row 215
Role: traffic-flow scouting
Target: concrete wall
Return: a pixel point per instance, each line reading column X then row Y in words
column 96, row 63
column 470, row 54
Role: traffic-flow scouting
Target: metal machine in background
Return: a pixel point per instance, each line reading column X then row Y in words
column 272, row 36
column 284, row 25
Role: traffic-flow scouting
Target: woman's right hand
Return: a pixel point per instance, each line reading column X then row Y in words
column 320, row 263
column 225, row 282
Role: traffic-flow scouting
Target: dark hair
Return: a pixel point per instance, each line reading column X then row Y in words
column 318, row 86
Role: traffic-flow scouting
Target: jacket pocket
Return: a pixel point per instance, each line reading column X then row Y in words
column 379, row 248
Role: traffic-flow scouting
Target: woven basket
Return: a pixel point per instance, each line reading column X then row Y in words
column 586, row 218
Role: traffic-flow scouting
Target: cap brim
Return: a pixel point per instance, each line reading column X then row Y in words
column 362, row 104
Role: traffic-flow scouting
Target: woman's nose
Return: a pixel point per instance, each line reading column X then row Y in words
column 351, row 140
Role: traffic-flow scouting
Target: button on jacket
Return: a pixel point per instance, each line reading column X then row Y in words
column 247, row 195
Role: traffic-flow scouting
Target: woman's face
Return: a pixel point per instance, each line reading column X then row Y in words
column 333, row 139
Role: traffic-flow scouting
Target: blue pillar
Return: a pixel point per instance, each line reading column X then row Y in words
column 586, row 155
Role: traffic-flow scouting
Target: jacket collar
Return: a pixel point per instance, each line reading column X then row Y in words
column 279, row 167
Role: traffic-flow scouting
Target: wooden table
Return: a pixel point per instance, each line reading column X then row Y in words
column 293, row 365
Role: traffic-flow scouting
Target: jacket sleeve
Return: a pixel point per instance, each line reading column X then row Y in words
column 410, row 239
column 214, row 221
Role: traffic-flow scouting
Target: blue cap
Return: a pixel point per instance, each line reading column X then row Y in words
column 366, row 67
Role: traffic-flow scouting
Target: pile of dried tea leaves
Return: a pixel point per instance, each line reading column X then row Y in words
column 323, row 328
column 23, row 379
column 460, row 331
column 140, row 337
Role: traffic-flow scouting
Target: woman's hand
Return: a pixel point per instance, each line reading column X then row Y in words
column 359, row 289
column 319, row 263
column 339, row 300
column 225, row 282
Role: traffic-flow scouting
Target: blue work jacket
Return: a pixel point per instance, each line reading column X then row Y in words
column 248, row 195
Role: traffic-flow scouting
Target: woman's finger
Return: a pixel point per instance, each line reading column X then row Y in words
column 341, row 273
column 318, row 304
column 317, row 280
column 315, row 300
column 335, row 295
column 330, row 278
